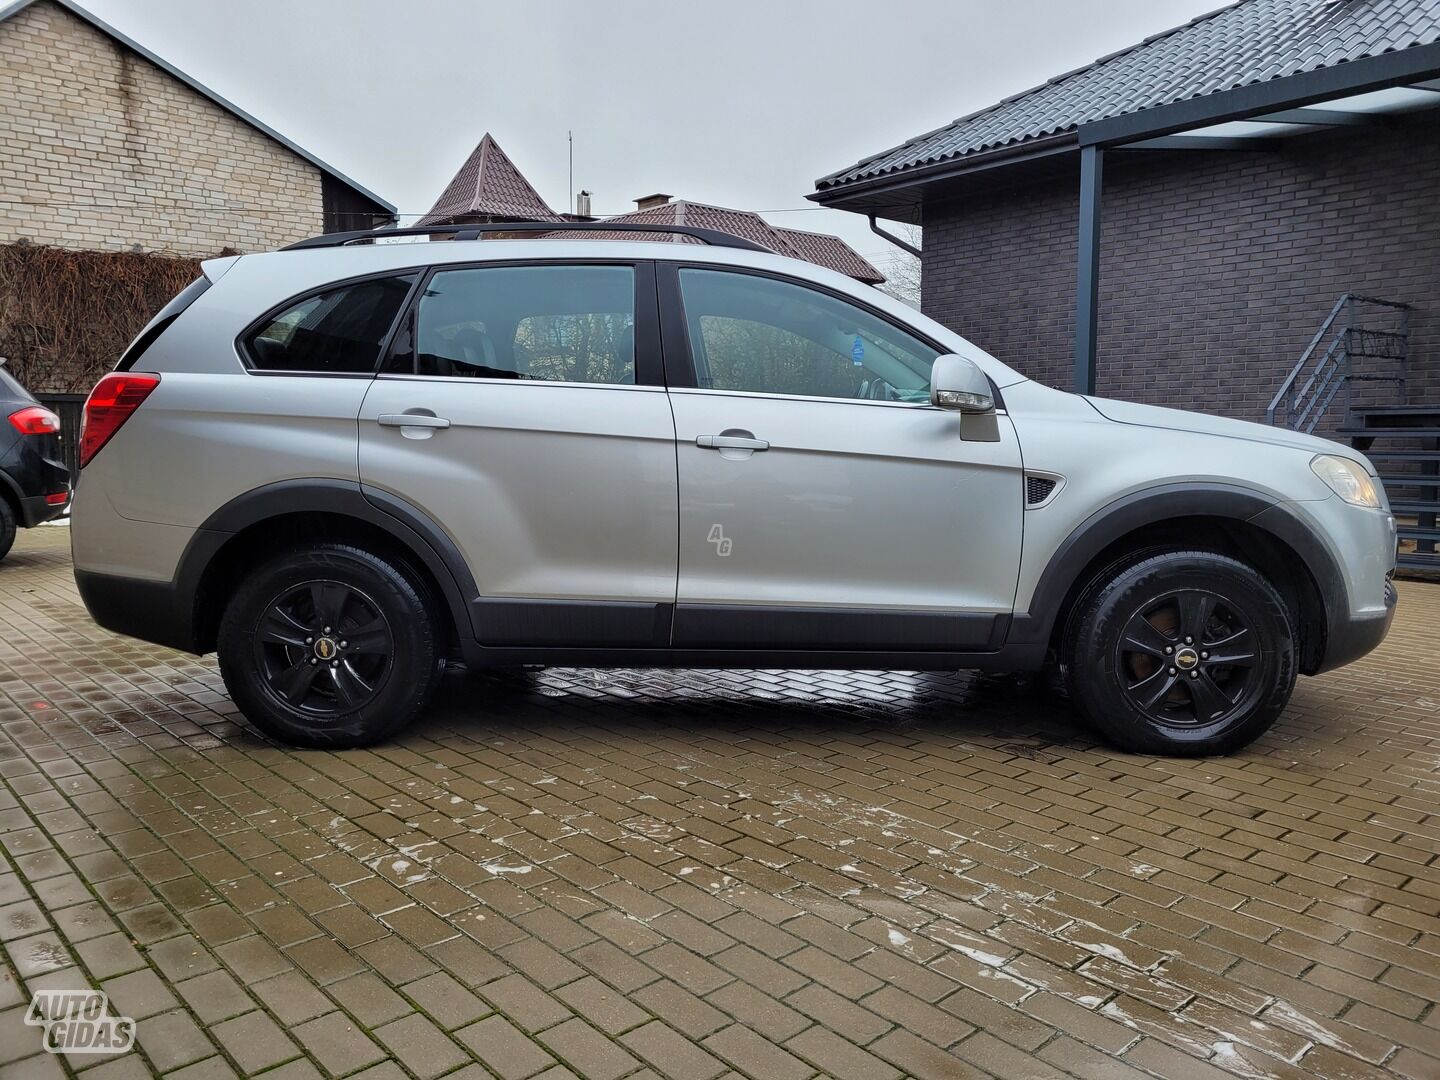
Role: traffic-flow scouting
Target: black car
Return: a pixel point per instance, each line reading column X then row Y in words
column 34, row 480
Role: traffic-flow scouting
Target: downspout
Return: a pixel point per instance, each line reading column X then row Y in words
column 901, row 244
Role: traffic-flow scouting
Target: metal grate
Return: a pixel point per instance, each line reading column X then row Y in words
column 1038, row 489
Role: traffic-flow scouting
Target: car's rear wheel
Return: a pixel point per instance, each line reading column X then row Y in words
column 1187, row 653
column 331, row 646
column 8, row 525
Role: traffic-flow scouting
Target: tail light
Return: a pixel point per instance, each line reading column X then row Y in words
column 112, row 402
column 35, row 420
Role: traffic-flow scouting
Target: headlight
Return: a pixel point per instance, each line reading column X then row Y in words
column 1348, row 479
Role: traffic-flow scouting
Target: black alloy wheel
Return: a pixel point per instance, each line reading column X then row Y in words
column 331, row 645
column 1189, row 658
column 324, row 647
column 1180, row 652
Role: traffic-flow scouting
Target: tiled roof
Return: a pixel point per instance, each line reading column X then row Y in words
column 831, row 251
column 1252, row 41
column 741, row 223
column 489, row 185
column 827, row 251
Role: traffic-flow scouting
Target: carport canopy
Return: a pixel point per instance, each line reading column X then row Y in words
column 1256, row 117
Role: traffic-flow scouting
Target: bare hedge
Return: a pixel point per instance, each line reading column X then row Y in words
column 66, row 316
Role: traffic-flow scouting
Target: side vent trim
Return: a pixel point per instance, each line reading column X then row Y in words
column 1041, row 489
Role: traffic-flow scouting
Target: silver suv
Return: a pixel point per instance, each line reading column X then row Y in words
column 343, row 463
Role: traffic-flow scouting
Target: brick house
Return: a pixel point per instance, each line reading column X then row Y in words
column 117, row 173
column 489, row 188
column 104, row 145
column 1222, row 246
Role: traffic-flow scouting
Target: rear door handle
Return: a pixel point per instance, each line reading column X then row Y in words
column 404, row 420
column 730, row 442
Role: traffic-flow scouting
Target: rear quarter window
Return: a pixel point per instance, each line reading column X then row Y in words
column 161, row 322
column 336, row 331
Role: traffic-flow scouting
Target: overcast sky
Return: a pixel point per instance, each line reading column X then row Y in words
column 743, row 103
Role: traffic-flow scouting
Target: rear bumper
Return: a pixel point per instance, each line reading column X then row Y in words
column 33, row 471
column 1350, row 638
column 37, row 510
column 153, row 611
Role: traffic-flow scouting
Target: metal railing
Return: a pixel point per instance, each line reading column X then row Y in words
column 1318, row 377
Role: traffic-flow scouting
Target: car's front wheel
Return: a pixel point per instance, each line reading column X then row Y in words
column 331, row 646
column 1185, row 653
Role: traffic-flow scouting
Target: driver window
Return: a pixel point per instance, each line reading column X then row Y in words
column 765, row 336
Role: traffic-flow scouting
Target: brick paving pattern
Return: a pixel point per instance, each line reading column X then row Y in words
column 693, row 875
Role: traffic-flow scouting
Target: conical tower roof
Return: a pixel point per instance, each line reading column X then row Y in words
column 488, row 185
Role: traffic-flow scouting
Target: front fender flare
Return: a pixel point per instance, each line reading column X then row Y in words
column 1151, row 506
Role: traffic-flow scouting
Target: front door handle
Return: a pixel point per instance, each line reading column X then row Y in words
column 728, row 441
column 404, row 420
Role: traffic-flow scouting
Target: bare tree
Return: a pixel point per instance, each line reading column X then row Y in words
column 902, row 270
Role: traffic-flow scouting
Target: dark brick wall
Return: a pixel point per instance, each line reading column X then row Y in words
column 1216, row 268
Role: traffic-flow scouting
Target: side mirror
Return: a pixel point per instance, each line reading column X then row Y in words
column 956, row 383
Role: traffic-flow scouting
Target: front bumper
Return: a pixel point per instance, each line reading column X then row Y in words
column 1350, row 553
column 1350, row 638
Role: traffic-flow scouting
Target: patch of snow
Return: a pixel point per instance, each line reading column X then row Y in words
column 1108, row 951
column 1311, row 1028
column 1114, row 1012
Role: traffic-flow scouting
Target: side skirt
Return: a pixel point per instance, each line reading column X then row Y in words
column 1008, row 658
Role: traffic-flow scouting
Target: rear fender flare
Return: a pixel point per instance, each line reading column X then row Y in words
column 411, row 527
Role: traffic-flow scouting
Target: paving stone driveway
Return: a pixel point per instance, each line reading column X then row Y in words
column 691, row 874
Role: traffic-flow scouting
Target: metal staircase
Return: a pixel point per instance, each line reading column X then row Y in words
column 1358, row 328
column 1408, row 460
column 1363, row 345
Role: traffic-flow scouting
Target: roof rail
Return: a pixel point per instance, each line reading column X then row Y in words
column 472, row 232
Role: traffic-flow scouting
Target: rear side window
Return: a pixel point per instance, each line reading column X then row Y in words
column 339, row 331
column 549, row 323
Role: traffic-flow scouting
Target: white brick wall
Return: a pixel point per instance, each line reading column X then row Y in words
column 102, row 150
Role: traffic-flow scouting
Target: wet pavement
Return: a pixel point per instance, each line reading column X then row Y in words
column 697, row 874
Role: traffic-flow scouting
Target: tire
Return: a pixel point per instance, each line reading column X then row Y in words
column 8, row 527
column 1147, row 689
column 287, row 656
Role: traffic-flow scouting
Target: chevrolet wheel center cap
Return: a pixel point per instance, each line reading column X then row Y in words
column 1185, row 659
column 325, row 648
